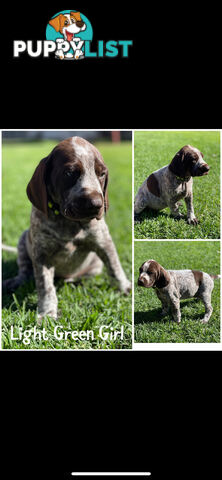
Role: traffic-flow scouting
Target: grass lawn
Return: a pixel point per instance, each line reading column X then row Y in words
column 153, row 150
column 149, row 326
column 85, row 306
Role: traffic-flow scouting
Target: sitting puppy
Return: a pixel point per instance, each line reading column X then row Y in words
column 165, row 187
column 172, row 285
column 68, row 236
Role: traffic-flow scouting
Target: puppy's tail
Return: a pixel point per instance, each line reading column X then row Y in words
column 7, row 248
column 215, row 277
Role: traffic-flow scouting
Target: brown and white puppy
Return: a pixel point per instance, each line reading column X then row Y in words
column 166, row 186
column 68, row 236
column 68, row 24
column 173, row 285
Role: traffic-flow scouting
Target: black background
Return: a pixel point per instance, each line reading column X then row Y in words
column 170, row 80
column 113, row 411
column 110, row 411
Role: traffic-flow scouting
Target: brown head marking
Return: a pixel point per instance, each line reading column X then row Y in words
column 183, row 161
column 157, row 276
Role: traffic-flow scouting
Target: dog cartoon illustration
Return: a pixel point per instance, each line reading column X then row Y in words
column 68, row 24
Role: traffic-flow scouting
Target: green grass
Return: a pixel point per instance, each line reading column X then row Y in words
column 149, row 326
column 84, row 306
column 153, row 150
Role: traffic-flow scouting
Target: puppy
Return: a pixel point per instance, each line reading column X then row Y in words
column 166, row 186
column 173, row 285
column 68, row 25
column 68, row 236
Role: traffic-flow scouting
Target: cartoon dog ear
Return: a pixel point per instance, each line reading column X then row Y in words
column 55, row 22
column 78, row 19
column 105, row 193
column 36, row 189
column 76, row 15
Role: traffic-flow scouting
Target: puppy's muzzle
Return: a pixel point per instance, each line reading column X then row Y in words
column 202, row 170
column 88, row 205
column 92, row 203
column 141, row 282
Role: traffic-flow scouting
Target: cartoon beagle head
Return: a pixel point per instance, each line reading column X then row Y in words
column 68, row 24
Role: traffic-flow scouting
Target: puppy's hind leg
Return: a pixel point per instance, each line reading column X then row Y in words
column 139, row 205
column 208, row 308
column 25, row 267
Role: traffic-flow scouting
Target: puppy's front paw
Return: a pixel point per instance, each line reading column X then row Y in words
column 126, row 287
column 42, row 315
column 192, row 220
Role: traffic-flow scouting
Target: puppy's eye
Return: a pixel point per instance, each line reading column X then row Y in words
column 72, row 20
column 102, row 174
column 71, row 176
column 67, row 173
column 66, row 22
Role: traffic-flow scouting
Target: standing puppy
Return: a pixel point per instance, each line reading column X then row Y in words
column 68, row 236
column 173, row 285
column 165, row 187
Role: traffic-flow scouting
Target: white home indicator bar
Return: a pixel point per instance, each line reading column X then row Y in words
column 111, row 474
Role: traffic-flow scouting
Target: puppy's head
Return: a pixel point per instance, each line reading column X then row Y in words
column 188, row 162
column 75, row 178
column 68, row 24
column 151, row 274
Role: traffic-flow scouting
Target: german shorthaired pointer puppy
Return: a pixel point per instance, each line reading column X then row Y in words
column 165, row 187
column 68, row 236
column 172, row 285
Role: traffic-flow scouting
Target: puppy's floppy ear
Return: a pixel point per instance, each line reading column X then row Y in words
column 163, row 278
column 55, row 22
column 177, row 165
column 77, row 16
column 105, row 192
column 36, row 189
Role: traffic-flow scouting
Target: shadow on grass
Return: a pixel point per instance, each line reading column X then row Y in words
column 9, row 268
column 149, row 214
column 147, row 317
column 155, row 314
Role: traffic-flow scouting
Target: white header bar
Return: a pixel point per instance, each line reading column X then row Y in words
column 111, row 474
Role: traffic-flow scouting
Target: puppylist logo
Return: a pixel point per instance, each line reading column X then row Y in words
column 69, row 34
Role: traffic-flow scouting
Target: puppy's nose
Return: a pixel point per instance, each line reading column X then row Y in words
column 94, row 202
column 140, row 282
column 205, row 167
